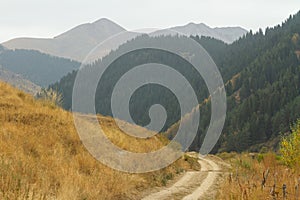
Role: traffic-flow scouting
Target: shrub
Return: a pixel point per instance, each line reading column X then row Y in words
column 51, row 96
column 290, row 147
column 260, row 157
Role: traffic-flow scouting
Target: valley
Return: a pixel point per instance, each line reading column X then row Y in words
column 184, row 111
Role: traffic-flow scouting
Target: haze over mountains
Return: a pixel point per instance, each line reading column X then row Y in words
column 261, row 74
column 76, row 43
column 226, row 34
column 39, row 68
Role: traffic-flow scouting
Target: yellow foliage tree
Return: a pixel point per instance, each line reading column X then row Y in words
column 290, row 147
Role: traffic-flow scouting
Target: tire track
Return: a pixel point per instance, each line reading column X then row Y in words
column 193, row 185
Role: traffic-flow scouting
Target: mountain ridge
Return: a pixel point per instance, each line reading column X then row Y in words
column 225, row 34
column 73, row 44
column 262, row 74
column 77, row 42
column 39, row 68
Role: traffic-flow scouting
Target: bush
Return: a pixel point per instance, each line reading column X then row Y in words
column 290, row 147
column 260, row 157
column 51, row 96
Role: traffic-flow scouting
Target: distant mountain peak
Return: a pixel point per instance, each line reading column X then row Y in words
column 108, row 24
column 77, row 42
column 104, row 20
column 96, row 27
column 193, row 24
column 226, row 34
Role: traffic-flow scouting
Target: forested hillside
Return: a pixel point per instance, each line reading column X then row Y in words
column 39, row 68
column 263, row 91
column 147, row 95
column 261, row 72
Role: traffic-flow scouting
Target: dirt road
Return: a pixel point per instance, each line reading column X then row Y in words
column 195, row 184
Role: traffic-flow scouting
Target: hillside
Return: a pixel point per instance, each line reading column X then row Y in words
column 37, row 67
column 125, row 63
column 74, row 44
column 261, row 73
column 18, row 81
column 42, row 157
column 226, row 34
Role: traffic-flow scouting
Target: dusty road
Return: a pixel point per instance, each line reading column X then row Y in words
column 195, row 184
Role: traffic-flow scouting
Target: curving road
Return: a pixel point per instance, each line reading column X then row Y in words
column 193, row 185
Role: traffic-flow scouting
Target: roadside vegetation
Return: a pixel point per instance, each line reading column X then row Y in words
column 265, row 175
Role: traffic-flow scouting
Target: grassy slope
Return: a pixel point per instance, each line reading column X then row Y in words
column 41, row 156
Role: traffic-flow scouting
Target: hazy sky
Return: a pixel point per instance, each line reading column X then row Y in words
column 47, row 18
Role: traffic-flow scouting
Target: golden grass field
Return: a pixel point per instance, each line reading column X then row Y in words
column 42, row 157
column 244, row 181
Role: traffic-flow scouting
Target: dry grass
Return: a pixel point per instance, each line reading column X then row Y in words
column 129, row 142
column 41, row 156
column 245, row 179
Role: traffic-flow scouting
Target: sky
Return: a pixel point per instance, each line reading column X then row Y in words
column 48, row 18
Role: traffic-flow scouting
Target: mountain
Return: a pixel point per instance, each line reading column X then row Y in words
column 18, row 81
column 74, row 44
column 77, row 43
column 39, row 68
column 226, row 34
column 141, row 100
column 261, row 72
column 262, row 76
